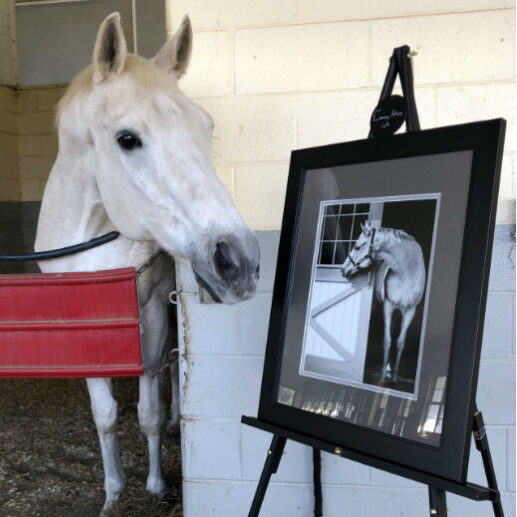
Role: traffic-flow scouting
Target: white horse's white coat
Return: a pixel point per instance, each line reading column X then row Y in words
column 135, row 156
column 399, row 280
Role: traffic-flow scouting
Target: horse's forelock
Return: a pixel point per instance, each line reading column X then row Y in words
column 141, row 70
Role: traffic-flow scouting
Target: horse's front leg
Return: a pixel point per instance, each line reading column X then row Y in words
column 151, row 410
column 407, row 318
column 104, row 409
column 388, row 313
column 151, row 417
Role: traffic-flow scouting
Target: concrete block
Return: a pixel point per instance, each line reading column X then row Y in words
column 496, row 391
column 32, row 189
column 8, row 145
column 349, row 501
column 497, row 337
column 8, row 98
column 310, row 11
column 499, row 451
column 227, row 176
column 36, row 167
column 461, row 507
column 230, row 13
column 211, row 448
column 510, row 470
column 502, row 269
column 302, row 58
column 505, row 211
column 477, row 46
column 10, row 189
column 219, row 386
column 37, row 123
column 233, row 499
column 295, row 466
column 241, row 328
column 350, row 112
column 260, row 193
column 47, row 98
column 385, row 479
column 460, row 104
column 251, row 129
column 340, row 471
column 27, row 100
column 210, row 71
column 9, row 166
column 8, row 120
column 37, row 145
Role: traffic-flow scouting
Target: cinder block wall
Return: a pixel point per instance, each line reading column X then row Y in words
column 28, row 140
column 278, row 75
column 283, row 75
column 37, row 137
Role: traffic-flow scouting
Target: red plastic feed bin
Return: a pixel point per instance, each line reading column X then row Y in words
column 57, row 325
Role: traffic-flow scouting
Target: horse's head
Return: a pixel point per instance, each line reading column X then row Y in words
column 360, row 256
column 149, row 147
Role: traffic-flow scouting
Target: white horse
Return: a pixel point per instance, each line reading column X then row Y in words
column 135, row 156
column 399, row 280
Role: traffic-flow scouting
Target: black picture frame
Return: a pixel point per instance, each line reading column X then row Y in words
column 450, row 459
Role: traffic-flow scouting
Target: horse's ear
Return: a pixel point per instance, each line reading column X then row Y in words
column 174, row 56
column 109, row 55
column 366, row 228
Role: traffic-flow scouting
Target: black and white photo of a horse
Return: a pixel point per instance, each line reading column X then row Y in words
column 399, row 281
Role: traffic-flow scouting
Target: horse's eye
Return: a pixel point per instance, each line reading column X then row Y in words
column 128, row 140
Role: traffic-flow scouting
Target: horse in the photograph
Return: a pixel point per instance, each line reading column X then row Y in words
column 135, row 156
column 399, row 280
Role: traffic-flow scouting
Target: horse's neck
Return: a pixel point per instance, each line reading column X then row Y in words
column 391, row 252
column 72, row 211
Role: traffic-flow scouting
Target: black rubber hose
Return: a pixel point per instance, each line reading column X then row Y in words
column 61, row 252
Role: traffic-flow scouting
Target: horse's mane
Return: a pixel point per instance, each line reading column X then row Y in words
column 394, row 234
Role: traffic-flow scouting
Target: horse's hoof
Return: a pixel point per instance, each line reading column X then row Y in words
column 156, row 487
column 108, row 504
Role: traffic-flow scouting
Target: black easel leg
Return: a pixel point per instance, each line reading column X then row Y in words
column 274, row 454
column 437, row 502
column 481, row 441
column 316, row 473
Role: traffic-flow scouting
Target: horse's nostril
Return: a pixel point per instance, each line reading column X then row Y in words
column 257, row 271
column 225, row 262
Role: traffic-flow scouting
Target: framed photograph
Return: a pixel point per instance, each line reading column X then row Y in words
column 378, row 305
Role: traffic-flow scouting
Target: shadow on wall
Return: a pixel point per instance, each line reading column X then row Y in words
column 18, row 221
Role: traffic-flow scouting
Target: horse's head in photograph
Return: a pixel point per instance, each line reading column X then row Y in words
column 361, row 254
column 150, row 149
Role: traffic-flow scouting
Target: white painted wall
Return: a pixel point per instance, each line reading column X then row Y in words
column 283, row 74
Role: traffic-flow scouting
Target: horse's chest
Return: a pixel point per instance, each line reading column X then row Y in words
column 401, row 291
